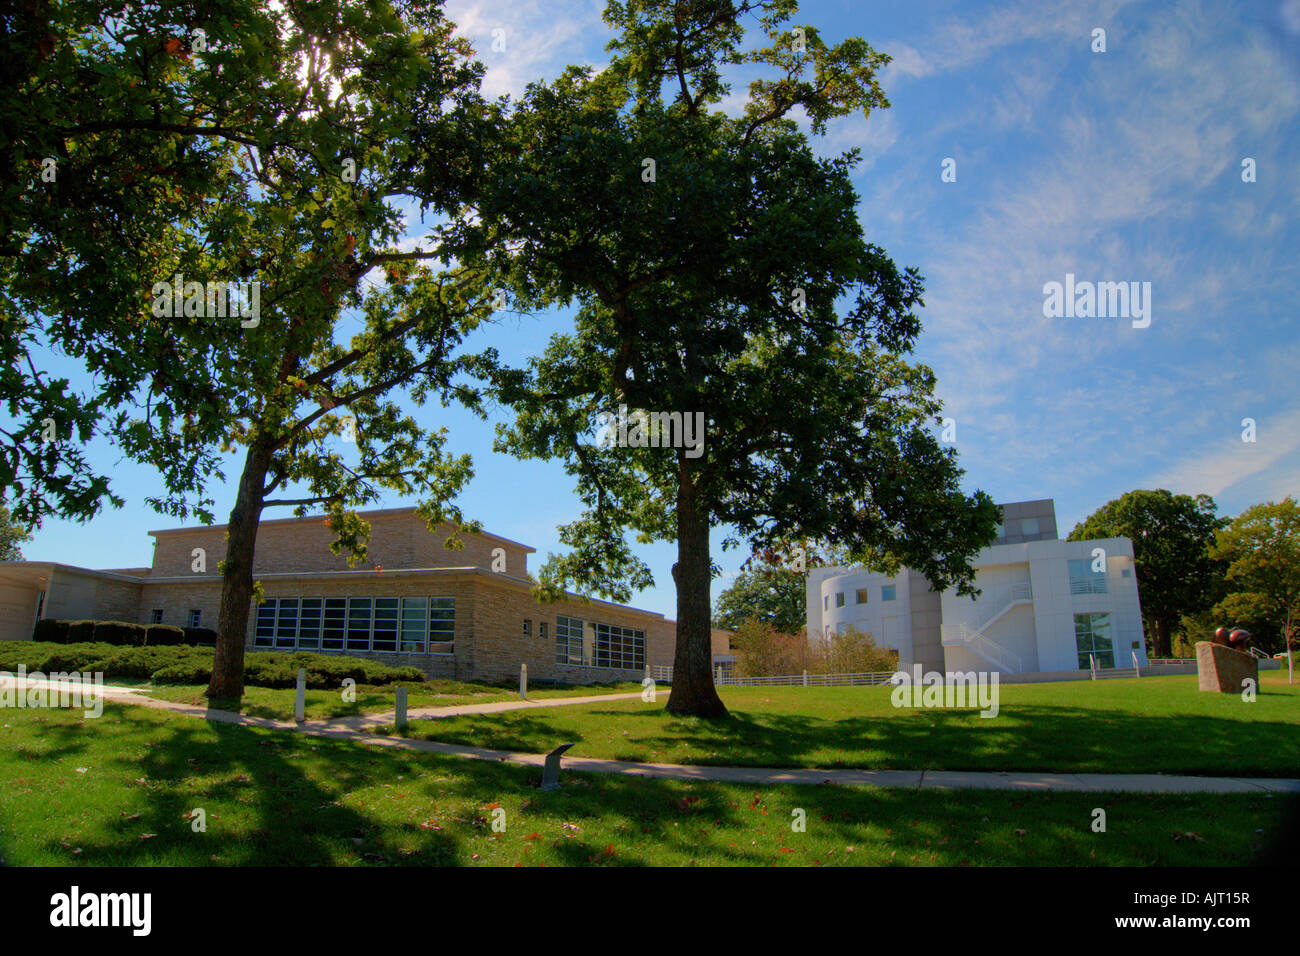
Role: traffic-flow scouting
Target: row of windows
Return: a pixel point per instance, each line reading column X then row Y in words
column 412, row 625
column 888, row 592
column 590, row 644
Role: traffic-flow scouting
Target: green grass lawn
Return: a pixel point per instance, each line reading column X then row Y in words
column 1139, row 725
column 119, row 791
column 277, row 703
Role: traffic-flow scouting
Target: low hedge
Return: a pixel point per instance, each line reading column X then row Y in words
column 121, row 633
column 164, row 635
column 185, row 664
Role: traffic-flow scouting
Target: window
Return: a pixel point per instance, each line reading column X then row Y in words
column 1092, row 636
column 359, row 611
column 196, row 617
column 541, row 629
column 155, row 616
column 1126, row 573
column 1001, row 530
column 598, row 645
column 309, row 623
column 415, row 624
column 1084, row 580
column 839, row 599
column 826, row 603
column 264, row 630
column 1028, row 526
column 335, row 624
column 889, row 592
column 286, row 626
column 442, row 625
column 528, row 627
column 862, row 595
column 385, row 635
column 384, row 624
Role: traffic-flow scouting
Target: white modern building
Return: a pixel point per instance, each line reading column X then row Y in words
column 1045, row 605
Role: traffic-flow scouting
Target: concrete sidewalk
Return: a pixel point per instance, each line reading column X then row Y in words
column 763, row 776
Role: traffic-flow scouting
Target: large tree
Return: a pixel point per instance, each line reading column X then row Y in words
column 258, row 145
column 1261, row 548
column 719, row 268
column 1172, row 536
column 11, row 536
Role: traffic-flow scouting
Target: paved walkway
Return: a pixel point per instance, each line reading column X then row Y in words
column 353, row 729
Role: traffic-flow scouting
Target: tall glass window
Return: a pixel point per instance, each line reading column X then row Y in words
column 359, row 610
column 442, row 625
column 309, row 623
column 335, row 624
column 415, row 624
column 385, row 638
column 264, row 631
column 286, row 623
column 1092, row 636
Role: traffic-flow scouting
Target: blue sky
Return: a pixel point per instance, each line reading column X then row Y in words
column 1122, row 166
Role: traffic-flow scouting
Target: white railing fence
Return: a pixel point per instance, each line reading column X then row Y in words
column 661, row 673
column 987, row 609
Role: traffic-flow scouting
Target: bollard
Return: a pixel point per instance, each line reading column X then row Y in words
column 1137, row 671
column 401, row 708
column 805, row 678
column 300, row 699
column 551, row 770
column 523, row 681
column 1092, row 665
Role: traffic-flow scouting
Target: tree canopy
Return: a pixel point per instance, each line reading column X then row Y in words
column 1261, row 549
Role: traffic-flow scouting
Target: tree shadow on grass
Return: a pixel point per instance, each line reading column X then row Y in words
column 1027, row 739
column 279, row 798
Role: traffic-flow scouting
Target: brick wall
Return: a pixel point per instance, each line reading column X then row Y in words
column 400, row 540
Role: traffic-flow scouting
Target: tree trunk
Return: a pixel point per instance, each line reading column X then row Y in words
column 693, row 692
column 1163, row 631
column 237, row 580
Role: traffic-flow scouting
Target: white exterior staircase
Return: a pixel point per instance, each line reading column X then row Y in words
column 972, row 637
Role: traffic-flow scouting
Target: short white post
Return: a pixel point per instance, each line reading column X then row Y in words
column 400, row 720
column 523, row 681
column 300, row 699
column 805, row 678
column 1137, row 671
column 1092, row 665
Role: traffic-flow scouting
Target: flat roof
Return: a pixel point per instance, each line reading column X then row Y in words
column 381, row 513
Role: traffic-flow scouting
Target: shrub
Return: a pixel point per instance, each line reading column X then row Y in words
column 190, row 672
column 80, row 632
column 205, row 636
column 143, row 662
column 48, row 630
column 119, row 632
column 164, row 635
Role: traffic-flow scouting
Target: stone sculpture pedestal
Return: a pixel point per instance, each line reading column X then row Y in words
column 1224, row 669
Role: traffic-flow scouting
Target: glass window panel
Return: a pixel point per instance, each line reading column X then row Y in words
column 415, row 624
column 334, row 625
column 442, row 625
column 889, row 592
column 309, row 623
column 359, row 611
column 385, row 634
column 286, row 623
column 264, row 632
